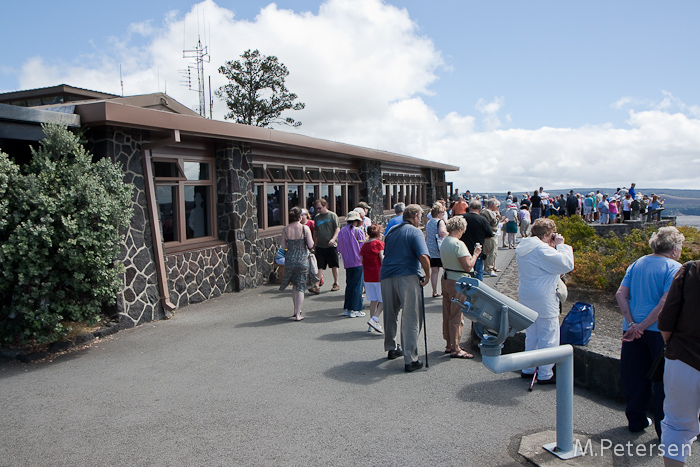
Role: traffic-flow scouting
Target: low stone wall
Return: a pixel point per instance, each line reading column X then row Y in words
column 626, row 227
column 195, row 276
column 596, row 371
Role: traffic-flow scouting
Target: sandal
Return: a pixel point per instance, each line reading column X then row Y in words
column 462, row 354
column 335, row 287
column 315, row 290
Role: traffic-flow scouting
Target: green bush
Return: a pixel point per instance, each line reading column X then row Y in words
column 601, row 262
column 59, row 237
column 577, row 233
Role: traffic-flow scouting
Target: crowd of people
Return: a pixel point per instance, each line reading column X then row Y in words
column 392, row 264
column 389, row 265
column 594, row 207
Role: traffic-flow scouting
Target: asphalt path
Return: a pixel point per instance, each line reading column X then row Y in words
column 234, row 381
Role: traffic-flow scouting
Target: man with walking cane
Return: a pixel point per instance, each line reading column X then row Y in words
column 402, row 282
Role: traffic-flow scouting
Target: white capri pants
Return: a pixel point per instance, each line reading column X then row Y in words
column 680, row 425
column 542, row 334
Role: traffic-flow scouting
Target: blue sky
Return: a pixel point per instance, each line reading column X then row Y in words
column 518, row 94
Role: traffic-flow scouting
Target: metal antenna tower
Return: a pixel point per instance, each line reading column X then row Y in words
column 201, row 55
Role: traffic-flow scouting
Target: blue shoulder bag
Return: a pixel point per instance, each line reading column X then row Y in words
column 578, row 324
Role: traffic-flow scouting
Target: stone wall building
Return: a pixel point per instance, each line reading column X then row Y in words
column 210, row 198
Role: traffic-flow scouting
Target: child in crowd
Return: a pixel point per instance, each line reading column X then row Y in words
column 524, row 217
column 613, row 210
column 372, row 253
column 511, row 227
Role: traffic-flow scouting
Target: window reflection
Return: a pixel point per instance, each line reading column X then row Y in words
column 325, row 190
column 339, row 202
column 311, row 199
column 293, row 198
column 274, row 205
column 166, row 197
column 352, row 196
column 196, row 171
column 260, row 204
column 197, row 205
column 166, row 169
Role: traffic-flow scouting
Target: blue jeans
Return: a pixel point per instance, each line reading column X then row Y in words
column 635, row 361
column 479, row 269
column 535, row 214
column 353, row 289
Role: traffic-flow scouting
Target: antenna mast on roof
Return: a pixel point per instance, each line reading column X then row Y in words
column 121, row 80
column 200, row 55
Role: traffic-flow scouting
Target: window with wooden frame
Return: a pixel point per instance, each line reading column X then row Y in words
column 185, row 194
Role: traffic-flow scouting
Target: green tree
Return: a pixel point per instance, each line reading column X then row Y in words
column 59, row 237
column 256, row 94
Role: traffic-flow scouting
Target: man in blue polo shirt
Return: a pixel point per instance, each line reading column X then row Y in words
column 396, row 220
column 405, row 253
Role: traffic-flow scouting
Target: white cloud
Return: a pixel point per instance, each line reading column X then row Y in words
column 490, row 111
column 362, row 68
column 144, row 29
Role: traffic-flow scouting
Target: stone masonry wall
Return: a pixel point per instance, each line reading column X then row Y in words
column 371, row 189
column 431, row 192
column 249, row 257
column 195, row 276
column 139, row 300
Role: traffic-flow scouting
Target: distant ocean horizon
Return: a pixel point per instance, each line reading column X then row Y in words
column 693, row 221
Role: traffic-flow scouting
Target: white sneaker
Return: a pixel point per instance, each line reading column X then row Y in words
column 493, row 274
column 346, row 313
column 375, row 325
column 357, row 314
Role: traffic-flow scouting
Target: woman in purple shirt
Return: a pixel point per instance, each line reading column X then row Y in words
column 350, row 240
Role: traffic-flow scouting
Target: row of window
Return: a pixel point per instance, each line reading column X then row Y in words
column 185, row 194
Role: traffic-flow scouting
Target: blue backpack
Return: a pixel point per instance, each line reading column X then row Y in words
column 578, row 324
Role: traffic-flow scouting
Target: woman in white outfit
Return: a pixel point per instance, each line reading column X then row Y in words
column 542, row 258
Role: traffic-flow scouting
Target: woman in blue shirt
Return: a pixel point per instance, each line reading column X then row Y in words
column 641, row 297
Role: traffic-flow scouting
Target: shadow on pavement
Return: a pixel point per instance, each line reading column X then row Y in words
column 366, row 372
column 504, row 393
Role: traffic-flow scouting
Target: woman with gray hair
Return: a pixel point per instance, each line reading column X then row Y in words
column 641, row 296
column 457, row 263
column 542, row 258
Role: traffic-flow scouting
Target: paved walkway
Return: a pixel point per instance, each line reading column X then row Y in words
column 234, row 381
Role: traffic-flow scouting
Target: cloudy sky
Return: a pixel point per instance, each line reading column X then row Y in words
column 518, row 94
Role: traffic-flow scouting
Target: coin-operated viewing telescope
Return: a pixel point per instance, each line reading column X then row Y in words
column 493, row 312
column 497, row 317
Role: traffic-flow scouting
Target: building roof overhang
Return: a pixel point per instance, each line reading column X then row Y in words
column 98, row 113
column 24, row 123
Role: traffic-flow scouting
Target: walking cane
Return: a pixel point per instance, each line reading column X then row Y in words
column 534, row 377
column 425, row 333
